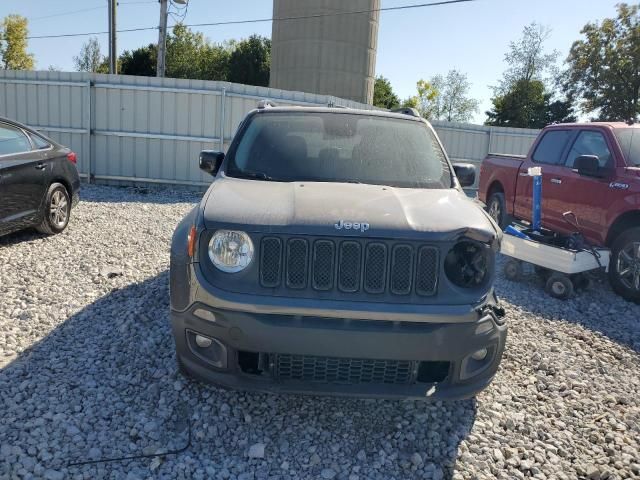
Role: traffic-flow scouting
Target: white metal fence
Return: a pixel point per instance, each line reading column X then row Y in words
column 150, row 130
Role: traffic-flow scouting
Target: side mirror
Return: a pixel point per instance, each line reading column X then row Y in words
column 588, row 165
column 210, row 161
column 466, row 173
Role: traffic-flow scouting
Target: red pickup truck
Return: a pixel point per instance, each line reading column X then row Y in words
column 590, row 169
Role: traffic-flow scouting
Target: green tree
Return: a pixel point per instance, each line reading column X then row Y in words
column 250, row 61
column 411, row 102
column 383, row 94
column 604, row 67
column 425, row 100
column 13, row 44
column 91, row 59
column 528, row 60
column 528, row 104
column 191, row 55
column 446, row 98
column 525, row 96
column 142, row 61
column 452, row 102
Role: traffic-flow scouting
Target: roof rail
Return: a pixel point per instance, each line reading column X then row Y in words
column 262, row 104
column 407, row 111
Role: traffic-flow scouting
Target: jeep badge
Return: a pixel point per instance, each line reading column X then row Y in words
column 362, row 226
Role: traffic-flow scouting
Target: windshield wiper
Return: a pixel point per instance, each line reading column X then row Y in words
column 252, row 175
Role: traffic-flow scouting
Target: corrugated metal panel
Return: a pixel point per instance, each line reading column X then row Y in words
column 153, row 129
column 52, row 102
column 472, row 143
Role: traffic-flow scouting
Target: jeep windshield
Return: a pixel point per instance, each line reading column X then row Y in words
column 339, row 147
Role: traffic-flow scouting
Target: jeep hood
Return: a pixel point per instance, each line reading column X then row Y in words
column 313, row 208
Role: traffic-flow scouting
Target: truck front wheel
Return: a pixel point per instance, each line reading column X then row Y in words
column 497, row 209
column 624, row 267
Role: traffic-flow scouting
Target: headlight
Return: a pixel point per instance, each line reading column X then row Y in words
column 230, row 251
column 466, row 264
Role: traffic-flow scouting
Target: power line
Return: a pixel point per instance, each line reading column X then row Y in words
column 67, row 13
column 263, row 20
column 73, row 12
column 86, row 34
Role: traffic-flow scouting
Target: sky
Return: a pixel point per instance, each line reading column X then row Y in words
column 412, row 44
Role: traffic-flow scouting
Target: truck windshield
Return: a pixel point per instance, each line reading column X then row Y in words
column 629, row 139
column 339, row 147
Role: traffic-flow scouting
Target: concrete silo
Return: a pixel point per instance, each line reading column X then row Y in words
column 329, row 54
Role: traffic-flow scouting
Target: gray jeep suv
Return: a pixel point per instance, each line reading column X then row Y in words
column 336, row 252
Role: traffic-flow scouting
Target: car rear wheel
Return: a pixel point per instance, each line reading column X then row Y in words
column 497, row 209
column 624, row 269
column 57, row 210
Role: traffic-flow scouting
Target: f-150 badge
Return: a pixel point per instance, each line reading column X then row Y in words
column 618, row 185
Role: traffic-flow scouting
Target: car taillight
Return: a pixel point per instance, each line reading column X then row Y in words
column 72, row 157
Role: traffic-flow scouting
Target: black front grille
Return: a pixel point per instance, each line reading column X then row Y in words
column 401, row 269
column 344, row 370
column 375, row 268
column 270, row 262
column 348, row 266
column 323, row 261
column 427, row 273
column 297, row 256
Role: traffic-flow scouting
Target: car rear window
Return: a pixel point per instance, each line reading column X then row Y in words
column 629, row 140
column 551, row 146
column 340, row 147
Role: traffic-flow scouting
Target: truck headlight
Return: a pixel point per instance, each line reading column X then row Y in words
column 467, row 264
column 230, row 251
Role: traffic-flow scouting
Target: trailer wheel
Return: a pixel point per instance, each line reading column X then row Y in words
column 513, row 270
column 559, row 286
column 582, row 281
column 542, row 272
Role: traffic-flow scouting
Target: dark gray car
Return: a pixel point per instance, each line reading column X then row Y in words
column 39, row 182
column 336, row 252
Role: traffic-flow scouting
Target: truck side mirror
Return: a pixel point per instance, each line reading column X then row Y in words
column 466, row 173
column 587, row 165
column 210, row 161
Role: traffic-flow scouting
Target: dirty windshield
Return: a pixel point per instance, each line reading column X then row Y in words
column 340, row 147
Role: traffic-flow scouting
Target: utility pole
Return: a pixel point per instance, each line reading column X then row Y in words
column 162, row 39
column 113, row 50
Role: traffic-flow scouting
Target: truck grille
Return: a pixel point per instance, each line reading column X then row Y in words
column 348, row 265
column 344, row 370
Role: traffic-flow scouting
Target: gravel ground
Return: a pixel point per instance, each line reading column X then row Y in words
column 87, row 372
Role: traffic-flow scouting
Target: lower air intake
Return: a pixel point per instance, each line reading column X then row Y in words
column 347, row 371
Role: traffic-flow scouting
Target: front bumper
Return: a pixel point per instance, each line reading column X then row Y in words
column 448, row 341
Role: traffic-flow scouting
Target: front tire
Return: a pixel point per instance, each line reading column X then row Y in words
column 624, row 267
column 57, row 210
column 497, row 209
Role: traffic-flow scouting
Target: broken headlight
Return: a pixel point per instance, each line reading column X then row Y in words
column 467, row 264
